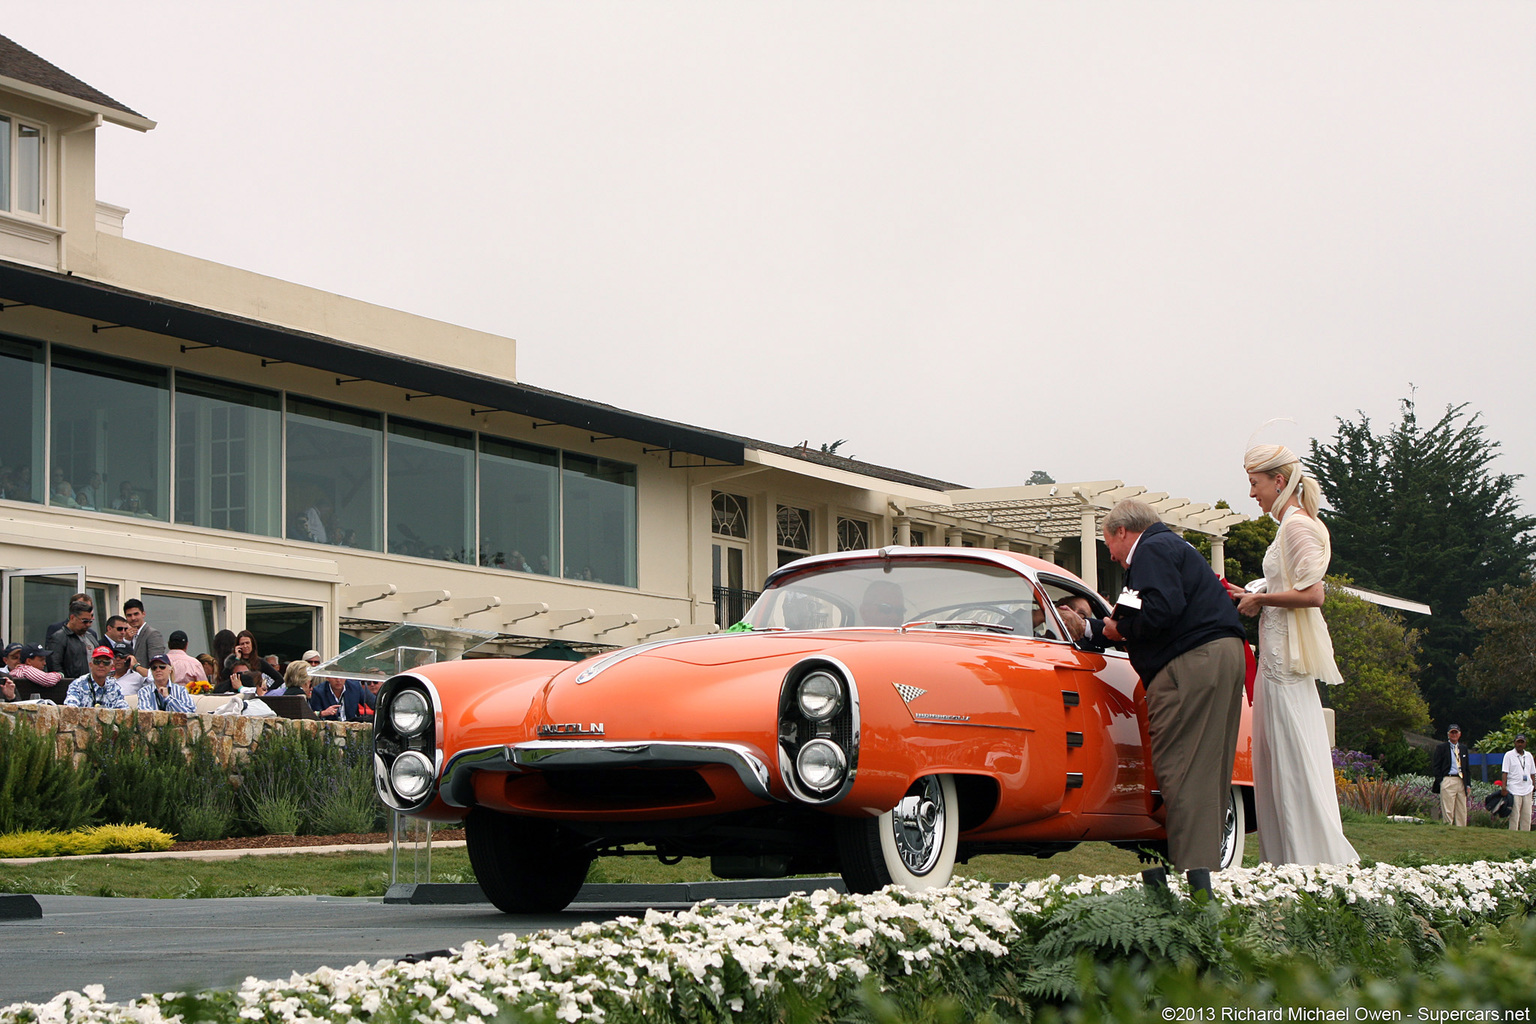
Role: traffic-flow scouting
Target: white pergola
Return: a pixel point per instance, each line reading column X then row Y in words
column 1054, row 512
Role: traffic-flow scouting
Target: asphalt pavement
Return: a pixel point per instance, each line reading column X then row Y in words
column 134, row 946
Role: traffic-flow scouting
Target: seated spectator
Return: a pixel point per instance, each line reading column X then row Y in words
column 162, row 694
column 262, row 685
column 234, row 675
column 94, row 689
column 12, row 656
column 210, row 668
column 32, row 678
column 370, row 702
column 338, row 699
column 184, row 668
column 89, row 493
column 63, row 495
column 125, row 671
column 297, row 680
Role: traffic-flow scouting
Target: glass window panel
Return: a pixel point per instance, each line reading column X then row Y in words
column 229, row 447
column 111, row 435
column 5, row 163
column 36, row 603
column 730, row 514
column 852, row 534
column 335, row 474
column 431, row 492
column 29, row 169
column 194, row 616
column 599, row 520
column 281, row 628
column 21, row 420
column 519, row 503
column 794, row 528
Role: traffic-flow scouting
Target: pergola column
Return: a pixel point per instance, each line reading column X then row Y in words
column 954, row 538
column 1089, row 535
column 904, row 531
column 1219, row 555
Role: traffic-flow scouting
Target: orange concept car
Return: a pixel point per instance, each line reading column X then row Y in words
column 883, row 714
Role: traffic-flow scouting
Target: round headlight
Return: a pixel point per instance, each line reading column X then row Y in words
column 820, row 696
column 411, row 775
column 820, row 765
column 409, row 713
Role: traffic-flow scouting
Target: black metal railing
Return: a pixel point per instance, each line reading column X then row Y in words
column 731, row 605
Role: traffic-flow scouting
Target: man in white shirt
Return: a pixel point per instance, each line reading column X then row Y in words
column 125, row 670
column 1518, row 772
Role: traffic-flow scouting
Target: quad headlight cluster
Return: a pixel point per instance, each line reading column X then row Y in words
column 404, row 744
column 818, row 730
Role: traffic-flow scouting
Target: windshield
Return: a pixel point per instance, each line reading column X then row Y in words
column 899, row 591
column 401, row 648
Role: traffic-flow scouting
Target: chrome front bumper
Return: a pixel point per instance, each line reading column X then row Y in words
column 457, row 789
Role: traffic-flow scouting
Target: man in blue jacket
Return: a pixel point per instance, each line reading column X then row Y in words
column 1181, row 629
column 338, row 699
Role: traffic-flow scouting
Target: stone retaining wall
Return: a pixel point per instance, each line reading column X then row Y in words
column 232, row 736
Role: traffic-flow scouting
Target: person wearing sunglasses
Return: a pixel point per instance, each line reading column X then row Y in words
column 94, row 689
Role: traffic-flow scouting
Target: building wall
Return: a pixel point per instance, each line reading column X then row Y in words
column 129, row 556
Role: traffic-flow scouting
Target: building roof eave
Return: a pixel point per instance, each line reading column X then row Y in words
column 112, row 305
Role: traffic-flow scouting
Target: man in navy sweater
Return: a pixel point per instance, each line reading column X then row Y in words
column 1181, row 629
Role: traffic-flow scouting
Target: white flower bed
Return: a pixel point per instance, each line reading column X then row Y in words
column 725, row 958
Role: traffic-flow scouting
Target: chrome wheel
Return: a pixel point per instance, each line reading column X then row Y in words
column 913, row 844
column 917, row 825
column 1234, row 826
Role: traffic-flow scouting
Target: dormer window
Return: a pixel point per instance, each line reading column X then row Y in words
column 21, row 166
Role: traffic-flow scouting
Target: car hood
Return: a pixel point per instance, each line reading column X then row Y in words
column 726, row 687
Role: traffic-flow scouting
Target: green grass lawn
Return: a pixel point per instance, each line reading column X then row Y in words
column 367, row 874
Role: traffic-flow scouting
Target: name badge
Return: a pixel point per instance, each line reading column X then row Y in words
column 1129, row 599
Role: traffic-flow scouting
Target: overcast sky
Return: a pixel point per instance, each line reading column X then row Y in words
column 1107, row 240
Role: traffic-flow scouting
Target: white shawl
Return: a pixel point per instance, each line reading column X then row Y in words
column 1305, row 552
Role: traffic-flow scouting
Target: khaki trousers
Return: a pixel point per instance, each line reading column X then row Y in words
column 1520, row 819
column 1453, row 800
column 1194, row 711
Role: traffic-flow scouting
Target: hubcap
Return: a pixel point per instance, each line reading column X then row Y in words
column 918, row 824
column 1229, row 836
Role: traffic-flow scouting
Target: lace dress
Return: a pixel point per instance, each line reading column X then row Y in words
column 1294, row 796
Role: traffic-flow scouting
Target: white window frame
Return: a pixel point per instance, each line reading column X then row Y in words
column 9, row 201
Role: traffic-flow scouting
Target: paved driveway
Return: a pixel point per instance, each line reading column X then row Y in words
column 133, row 946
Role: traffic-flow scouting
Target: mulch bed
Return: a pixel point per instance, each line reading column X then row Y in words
column 280, row 842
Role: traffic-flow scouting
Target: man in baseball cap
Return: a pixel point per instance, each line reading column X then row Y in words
column 95, row 689
column 184, row 668
column 32, row 677
column 125, row 670
column 161, row 694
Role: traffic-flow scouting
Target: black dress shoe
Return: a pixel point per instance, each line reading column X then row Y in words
column 1155, row 878
column 1200, row 881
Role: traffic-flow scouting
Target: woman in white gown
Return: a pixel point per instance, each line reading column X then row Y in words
column 1293, row 788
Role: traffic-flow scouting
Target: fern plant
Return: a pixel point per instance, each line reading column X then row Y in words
column 1136, row 925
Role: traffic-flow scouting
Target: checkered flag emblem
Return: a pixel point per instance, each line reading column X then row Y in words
column 909, row 693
